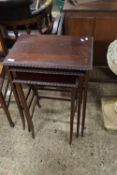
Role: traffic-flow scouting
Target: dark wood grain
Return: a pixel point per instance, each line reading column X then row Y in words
column 51, row 62
column 58, row 52
column 91, row 5
column 97, row 18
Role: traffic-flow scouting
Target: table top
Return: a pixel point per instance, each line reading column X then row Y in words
column 91, row 5
column 52, row 52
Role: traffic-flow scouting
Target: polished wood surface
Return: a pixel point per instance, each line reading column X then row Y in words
column 93, row 18
column 60, row 52
column 91, row 5
column 54, row 63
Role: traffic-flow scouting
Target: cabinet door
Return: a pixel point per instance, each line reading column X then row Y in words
column 79, row 26
column 105, row 32
column 106, row 29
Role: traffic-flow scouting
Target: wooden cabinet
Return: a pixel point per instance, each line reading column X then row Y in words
column 79, row 26
column 95, row 18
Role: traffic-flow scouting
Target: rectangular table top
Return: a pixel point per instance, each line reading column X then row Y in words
column 51, row 52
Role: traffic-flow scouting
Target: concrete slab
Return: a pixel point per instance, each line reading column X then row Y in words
column 109, row 113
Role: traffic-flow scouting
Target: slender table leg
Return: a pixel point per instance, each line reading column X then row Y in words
column 73, row 100
column 16, row 97
column 37, row 96
column 26, row 110
column 5, row 108
column 84, row 102
column 80, row 90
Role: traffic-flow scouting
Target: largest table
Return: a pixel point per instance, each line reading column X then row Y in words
column 54, row 61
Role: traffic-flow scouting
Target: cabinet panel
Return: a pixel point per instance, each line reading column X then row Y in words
column 93, row 18
column 105, row 29
column 79, row 26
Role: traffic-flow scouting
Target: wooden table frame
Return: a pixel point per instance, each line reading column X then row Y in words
column 41, row 77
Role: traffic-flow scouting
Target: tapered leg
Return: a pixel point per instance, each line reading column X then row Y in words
column 19, row 104
column 84, row 103
column 73, row 95
column 37, row 96
column 16, row 97
column 5, row 108
column 80, row 90
column 26, row 110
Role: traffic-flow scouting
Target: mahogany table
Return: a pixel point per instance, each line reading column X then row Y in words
column 51, row 62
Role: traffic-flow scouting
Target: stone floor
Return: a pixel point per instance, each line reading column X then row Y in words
column 50, row 153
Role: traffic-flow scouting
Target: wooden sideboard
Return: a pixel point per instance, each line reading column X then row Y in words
column 97, row 18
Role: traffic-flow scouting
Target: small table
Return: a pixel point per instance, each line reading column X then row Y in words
column 51, row 61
